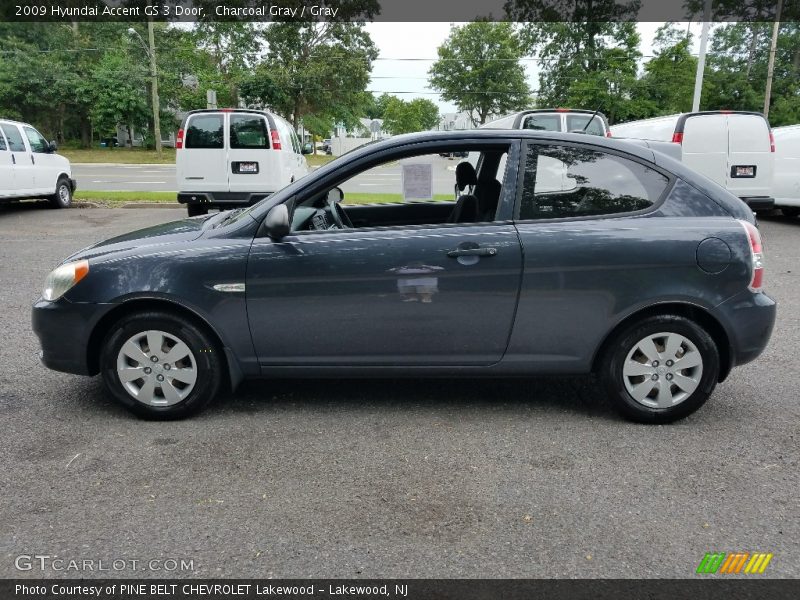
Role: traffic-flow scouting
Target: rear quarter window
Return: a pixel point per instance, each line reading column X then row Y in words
column 572, row 181
column 14, row 137
column 3, row 143
column 205, row 131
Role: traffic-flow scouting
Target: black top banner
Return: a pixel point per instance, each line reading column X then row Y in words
column 68, row 11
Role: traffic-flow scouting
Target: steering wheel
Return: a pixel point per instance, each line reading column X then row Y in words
column 340, row 217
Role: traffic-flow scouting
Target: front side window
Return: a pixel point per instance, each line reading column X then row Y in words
column 249, row 131
column 36, row 140
column 15, row 143
column 572, row 181
column 542, row 122
column 205, row 131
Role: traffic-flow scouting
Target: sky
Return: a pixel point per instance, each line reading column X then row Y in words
column 416, row 44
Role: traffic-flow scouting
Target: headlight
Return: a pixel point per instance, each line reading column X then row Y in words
column 61, row 279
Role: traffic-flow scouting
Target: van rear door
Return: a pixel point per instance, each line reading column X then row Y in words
column 251, row 162
column 705, row 145
column 200, row 163
column 750, row 161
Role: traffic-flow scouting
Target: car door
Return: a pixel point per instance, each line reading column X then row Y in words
column 21, row 159
column 46, row 165
column 7, row 182
column 434, row 295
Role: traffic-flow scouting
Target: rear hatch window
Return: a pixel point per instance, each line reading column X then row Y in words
column 249, row 131
column 205, row 131
column 543, row 122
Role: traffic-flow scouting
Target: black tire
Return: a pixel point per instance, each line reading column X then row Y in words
column 63, row 196
column 790, row 211
column 616, row 353
column 208, row 363
column 195, row 210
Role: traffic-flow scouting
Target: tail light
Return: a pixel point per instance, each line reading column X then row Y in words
column 179, row 140
column 608, row 133
column 756, row 256
column 276, row 139
column 771, row 141
column 677, row 137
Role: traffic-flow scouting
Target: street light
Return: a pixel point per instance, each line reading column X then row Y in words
column 151, row 54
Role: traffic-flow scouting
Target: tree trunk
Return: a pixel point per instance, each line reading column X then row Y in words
column 86, row 132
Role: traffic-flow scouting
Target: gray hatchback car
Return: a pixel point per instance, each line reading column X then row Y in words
column 540, row 253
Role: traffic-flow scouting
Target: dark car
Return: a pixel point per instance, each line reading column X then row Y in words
column 563, row 254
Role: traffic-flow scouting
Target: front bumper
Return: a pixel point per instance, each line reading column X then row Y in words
column 64, row 329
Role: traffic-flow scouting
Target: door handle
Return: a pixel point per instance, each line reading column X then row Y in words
column 472, row 252
column 13, row 159
column 33, row 160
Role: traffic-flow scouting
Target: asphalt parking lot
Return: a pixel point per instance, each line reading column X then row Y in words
column 385, row 478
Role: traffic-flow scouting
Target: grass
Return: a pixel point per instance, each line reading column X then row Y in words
column 113, row 197
column 131, row 156
column 317, row 160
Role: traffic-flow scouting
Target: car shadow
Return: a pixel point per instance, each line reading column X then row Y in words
column 15, row 207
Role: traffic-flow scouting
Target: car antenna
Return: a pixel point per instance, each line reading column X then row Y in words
column 594, row 114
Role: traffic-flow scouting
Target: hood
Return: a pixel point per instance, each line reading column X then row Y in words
column 184, row 230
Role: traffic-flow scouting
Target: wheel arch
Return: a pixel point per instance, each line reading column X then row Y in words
column 134, row 305
column 693, row 312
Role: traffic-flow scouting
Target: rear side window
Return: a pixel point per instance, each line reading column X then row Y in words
column 35, row 139
column 3, row 142
column 15, row 143
column 570, row 181
column 205, row 131
column 578, row 122
column 249, row 131
column 542, row 122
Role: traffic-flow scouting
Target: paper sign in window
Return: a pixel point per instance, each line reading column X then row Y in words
column 417, row 181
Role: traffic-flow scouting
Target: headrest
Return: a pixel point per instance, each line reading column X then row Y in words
column 465, row 175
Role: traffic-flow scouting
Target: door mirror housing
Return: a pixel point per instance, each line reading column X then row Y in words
column 276, row 222
column 335, row 195
column 307, row 148
column 51, row 147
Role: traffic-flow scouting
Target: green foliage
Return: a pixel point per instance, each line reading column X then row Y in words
column 479, row 70
column 406, row 117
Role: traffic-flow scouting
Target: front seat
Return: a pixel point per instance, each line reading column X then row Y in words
column 487, row 191
column 465, row 177
column 465, row 211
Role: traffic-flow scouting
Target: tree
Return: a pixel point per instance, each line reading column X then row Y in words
column 587, row 51
column 406, row 117
column 479, row 70
column 667, row 85
column 320, row 68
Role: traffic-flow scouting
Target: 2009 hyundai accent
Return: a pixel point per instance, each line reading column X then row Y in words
column 557, row 254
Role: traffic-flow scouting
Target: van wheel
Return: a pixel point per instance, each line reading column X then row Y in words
column 660, row 369
column 195, row 210
column 791, row 212
column 160, row 366
column 63, row 196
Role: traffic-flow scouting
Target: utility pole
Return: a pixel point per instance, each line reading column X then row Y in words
column 701, row 59
column 151, row 54
column 771, row 65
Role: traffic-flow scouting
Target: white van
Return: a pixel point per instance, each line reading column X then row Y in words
column 786, row 183
column 554, row 119
column 733, row 148
column 235, row 157
column 30, row 168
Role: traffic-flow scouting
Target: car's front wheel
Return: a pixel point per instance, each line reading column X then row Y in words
column 63, row 196
column 660, row 369
column 161, row 366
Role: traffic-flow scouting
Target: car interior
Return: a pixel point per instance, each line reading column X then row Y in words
column 464, row 192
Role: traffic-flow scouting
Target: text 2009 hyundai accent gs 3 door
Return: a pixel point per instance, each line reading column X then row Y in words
column 558, row 253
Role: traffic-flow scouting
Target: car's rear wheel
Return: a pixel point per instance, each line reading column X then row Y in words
column 195, row 210
column 790, row 211
column 63, row 196
column 660, row 369
column 161, row 366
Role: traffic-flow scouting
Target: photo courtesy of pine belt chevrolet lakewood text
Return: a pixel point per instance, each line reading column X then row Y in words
column 541, row 252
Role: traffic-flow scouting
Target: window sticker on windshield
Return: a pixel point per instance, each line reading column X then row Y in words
column 417, row 181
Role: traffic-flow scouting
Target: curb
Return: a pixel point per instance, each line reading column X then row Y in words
column 78, row 164
column 90, row 204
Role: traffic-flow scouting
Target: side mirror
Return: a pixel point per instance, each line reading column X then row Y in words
column 335, row 195
column 52, row 147
column 277, row 222
column 307, row 148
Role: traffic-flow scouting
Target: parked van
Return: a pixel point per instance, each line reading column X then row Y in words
column 554, row 119
column 733, row 148
column 786, row 183
column 30, row 167
column 235, row 157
